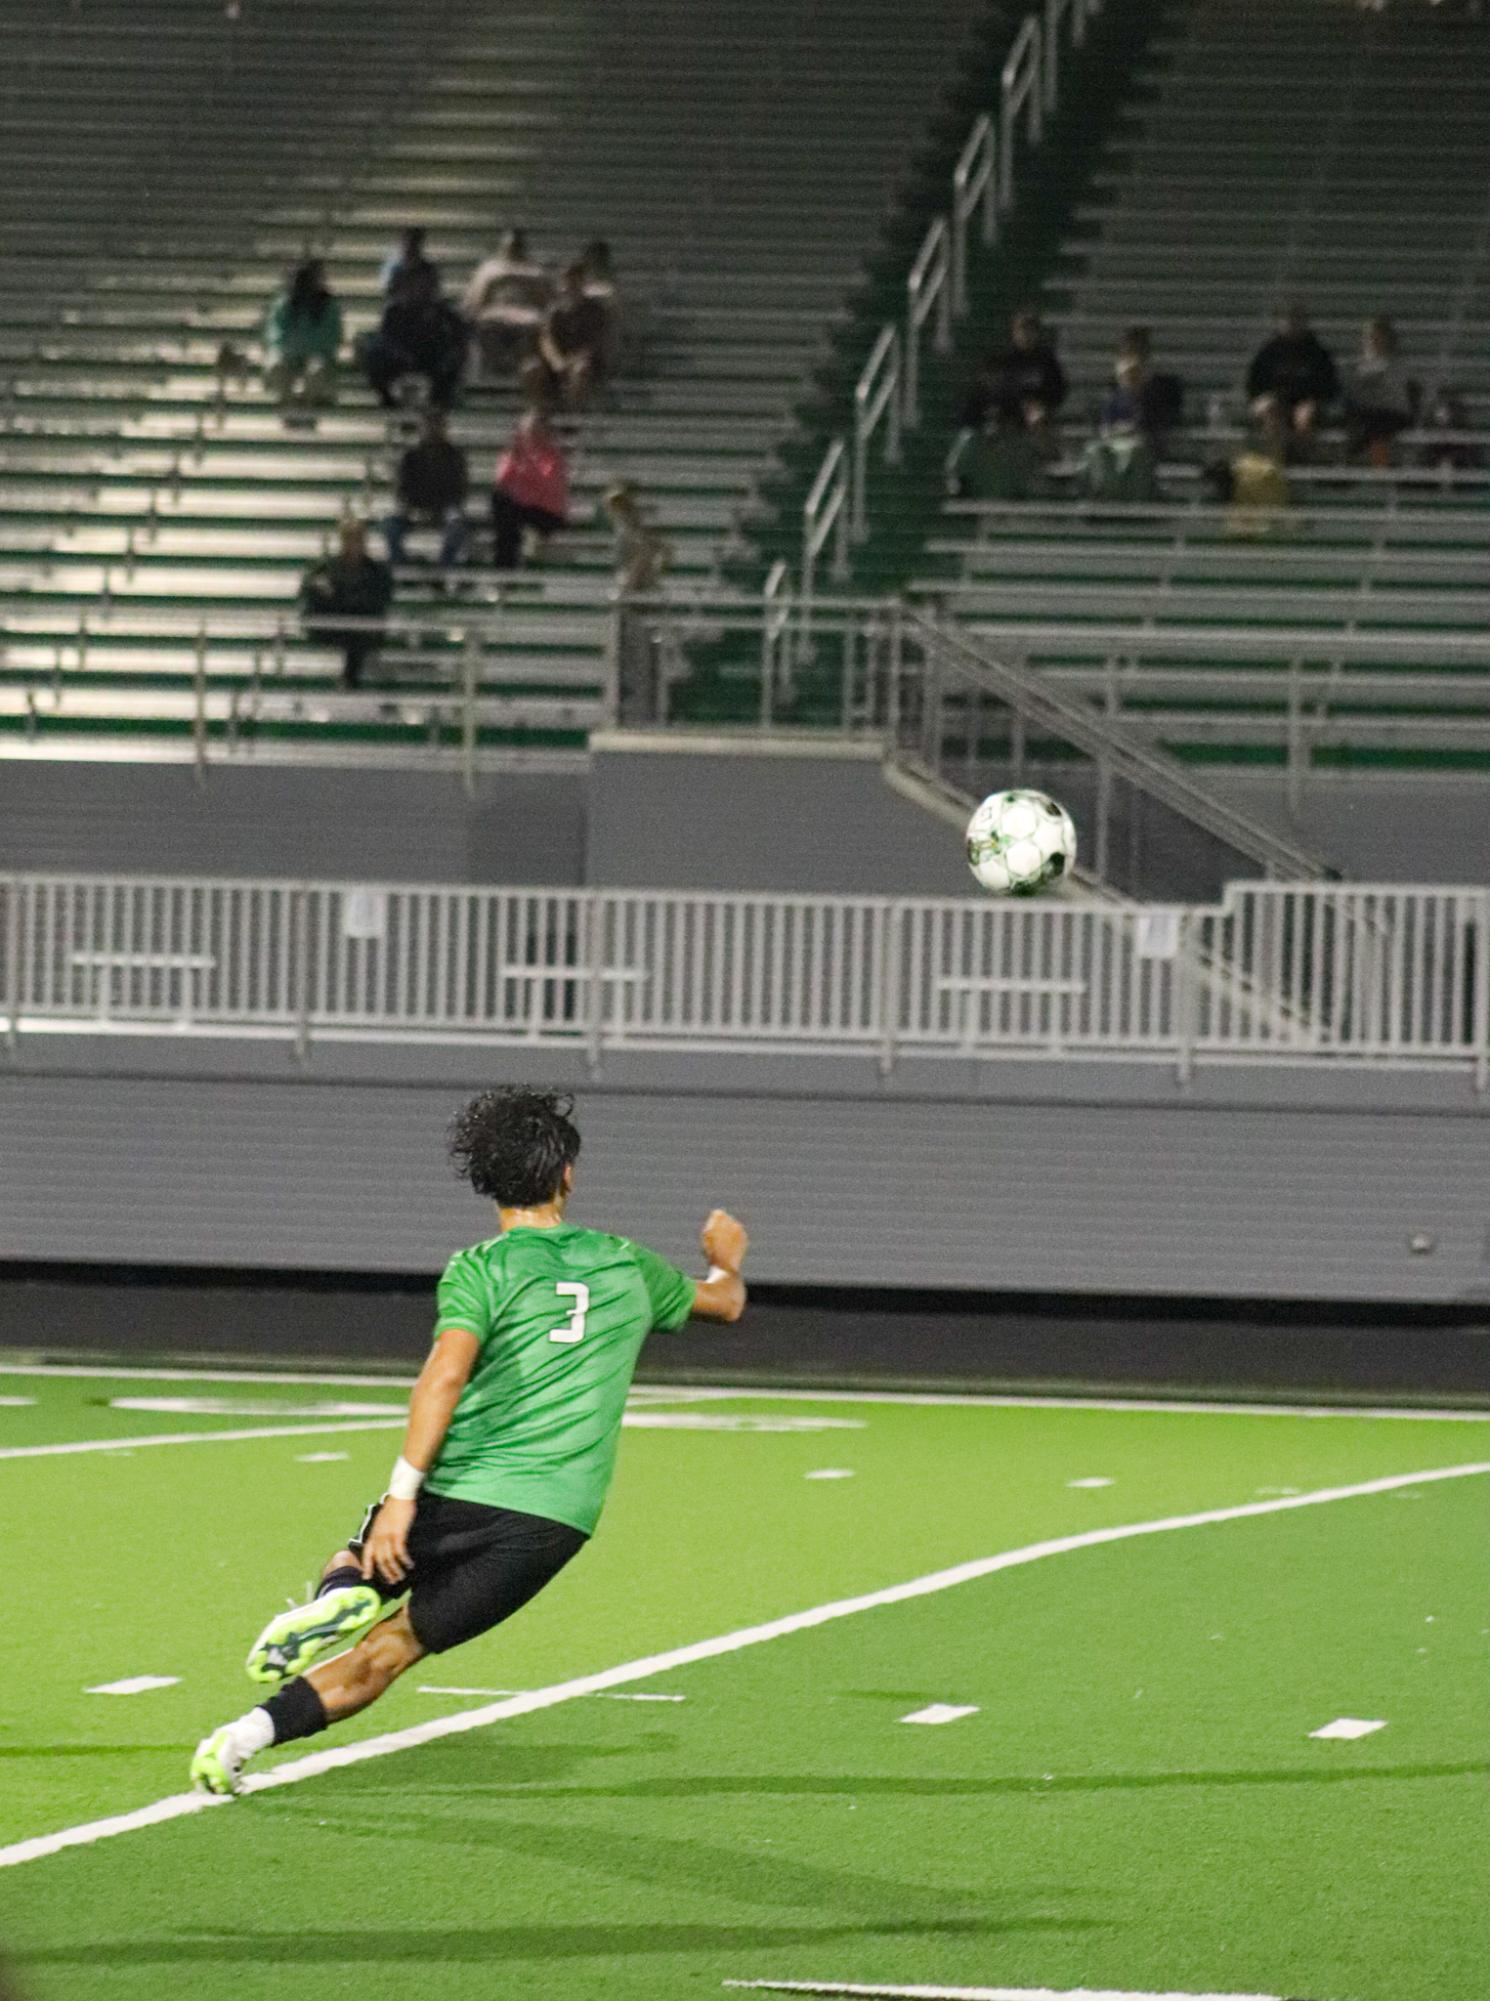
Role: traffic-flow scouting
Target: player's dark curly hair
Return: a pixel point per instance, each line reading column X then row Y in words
column 513, row 1144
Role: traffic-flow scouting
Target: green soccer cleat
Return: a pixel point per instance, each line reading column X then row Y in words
column 218, row 1764
column 295, row 1640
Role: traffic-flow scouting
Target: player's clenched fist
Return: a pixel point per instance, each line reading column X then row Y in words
column 725, row 1240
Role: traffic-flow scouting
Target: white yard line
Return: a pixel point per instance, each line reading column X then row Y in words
column 296, row 1769
column 982, row 1993
column 200, row 1437
column 695, row 1392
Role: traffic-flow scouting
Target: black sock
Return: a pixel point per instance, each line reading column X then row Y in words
column 295, row 1711
column 347, row 1573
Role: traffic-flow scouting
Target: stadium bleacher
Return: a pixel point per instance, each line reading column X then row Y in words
column 153, row 529
column 1279, row 151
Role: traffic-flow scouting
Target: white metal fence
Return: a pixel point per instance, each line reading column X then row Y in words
column 1326, row 974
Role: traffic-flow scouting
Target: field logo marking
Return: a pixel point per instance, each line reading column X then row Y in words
column 296, row 1769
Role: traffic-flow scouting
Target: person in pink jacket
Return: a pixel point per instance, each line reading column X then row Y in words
column 531, row 489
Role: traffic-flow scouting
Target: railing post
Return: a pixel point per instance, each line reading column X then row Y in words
column 1482, row 996
column 891, row 984
column 301, row 984
column 13, row 986
column 1185, row 997
column 594, row 963
column 974, row 191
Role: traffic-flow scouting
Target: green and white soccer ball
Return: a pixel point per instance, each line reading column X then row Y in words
column 1019, row 843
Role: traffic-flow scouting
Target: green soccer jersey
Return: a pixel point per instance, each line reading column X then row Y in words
column 561, row 1315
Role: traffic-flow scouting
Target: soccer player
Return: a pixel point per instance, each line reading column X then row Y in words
column 511, row 1442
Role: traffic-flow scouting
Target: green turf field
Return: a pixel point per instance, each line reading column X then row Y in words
column 1134, row 1802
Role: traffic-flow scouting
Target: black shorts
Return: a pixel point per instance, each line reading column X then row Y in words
column 472, row 1566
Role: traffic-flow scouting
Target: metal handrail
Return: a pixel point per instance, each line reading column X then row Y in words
column 1116, row 752
column 928, row 291
column 825, row 518
column 1350, row 973
column 877, row 400
column 1021, row 90
column 1055, row 12
column 776, row 652
column 974, row 193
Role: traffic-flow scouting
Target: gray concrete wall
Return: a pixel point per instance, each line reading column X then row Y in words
column 665, row 816
column 1069, row 1196
column 1378, row 827
column 141, row 819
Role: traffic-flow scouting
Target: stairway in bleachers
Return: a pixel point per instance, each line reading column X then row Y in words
column 166, row 160
column 1289, row 149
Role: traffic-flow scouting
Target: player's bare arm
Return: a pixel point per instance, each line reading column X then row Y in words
column 431, row 1407
column 721, row 1296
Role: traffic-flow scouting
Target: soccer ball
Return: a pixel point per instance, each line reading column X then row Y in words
column 1020, row 842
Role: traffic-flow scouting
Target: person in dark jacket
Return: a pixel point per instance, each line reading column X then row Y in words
column 1295, row 374
column 434, row 480
column 1022, row 384
column 572, row 341
column 1005, row 421
column 420, row 335
column 350, row 584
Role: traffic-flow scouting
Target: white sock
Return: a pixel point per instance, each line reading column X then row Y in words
column 253, row 1733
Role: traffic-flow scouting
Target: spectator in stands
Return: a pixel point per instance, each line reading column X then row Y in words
column 409, row 260
column 1380, row 399
column 599, row 270
column 1010, row 408
column 1294, row 373
column 1446, row 449
column 504, row 306
column 434, row 479
column 601, row 286
column 302, row 338
column 642, row 555
column 571, row 343
column 1143, row 399
column 420, row 338
column 642, row 559
column 531, row 491
column 349, row 585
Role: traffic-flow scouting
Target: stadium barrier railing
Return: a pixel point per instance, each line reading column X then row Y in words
column 1336, row 974
column 982, row 186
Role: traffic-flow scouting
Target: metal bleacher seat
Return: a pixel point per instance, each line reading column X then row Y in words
column 739, row 161
column 1284, row 149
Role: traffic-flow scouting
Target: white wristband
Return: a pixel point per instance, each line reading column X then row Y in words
column 405, row 1480
column 719, row 1271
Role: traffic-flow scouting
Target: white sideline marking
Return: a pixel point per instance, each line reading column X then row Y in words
column 701, row 1420
column 253, row 1407
column 199, row 1437
column 319, row 1458
column 295, row 1769
column 699, row 1393
column 941, row 1712
column 1096, row 1481
column 17, row 1403
column 984, row 1993
column 1349, row 1727
column 430, row 1688
column 135, row 1684
column 830, row 1473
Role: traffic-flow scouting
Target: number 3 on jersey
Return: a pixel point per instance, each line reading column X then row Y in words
column 574, row 1327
